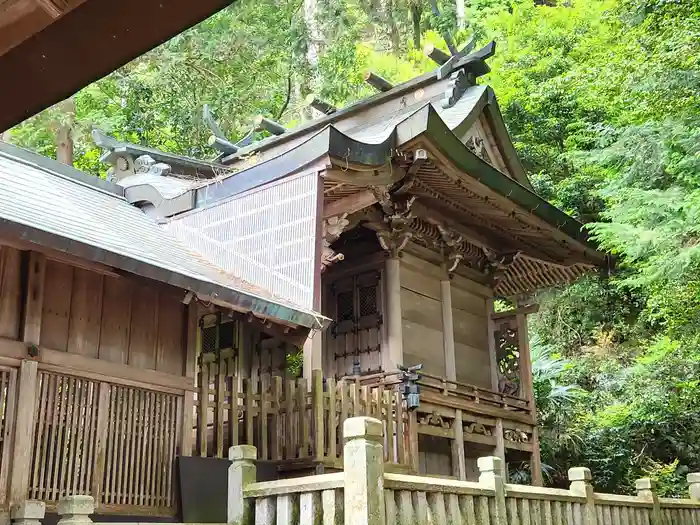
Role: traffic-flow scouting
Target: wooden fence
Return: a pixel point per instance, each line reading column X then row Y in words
column 294, row 422
column 365, row 494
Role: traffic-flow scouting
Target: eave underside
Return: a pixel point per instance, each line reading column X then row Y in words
column 537, row 256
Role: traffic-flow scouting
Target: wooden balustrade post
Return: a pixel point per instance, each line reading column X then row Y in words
column 580, row 478
column 490, row 468
column 694, row 485
column 75, row 510
column 24, row 431
column 241, row 473
column 646, row 490
column 364, row 471
column 29, row 512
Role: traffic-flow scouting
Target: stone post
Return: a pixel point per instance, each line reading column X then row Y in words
column 75, row 510
column 29, row 512
column 694, row 485
column 646, row 490
column 580, row 478
column 364, row 471
column 241, row 473
column 490, row 468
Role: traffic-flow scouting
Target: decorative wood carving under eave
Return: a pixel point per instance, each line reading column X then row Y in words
column 398, row 219
column 434, row 420
column 477, row 428
column 516, row 436
column 333, row 227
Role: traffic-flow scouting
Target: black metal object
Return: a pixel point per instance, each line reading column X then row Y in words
column 409, row 388
column 203, row 487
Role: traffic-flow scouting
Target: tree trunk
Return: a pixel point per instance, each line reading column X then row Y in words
column 64, row 132
column 461, row 15
column 304, row 85
column 390, row 20
column 415, row 17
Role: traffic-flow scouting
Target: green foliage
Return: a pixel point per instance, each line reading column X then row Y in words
column 601, row 99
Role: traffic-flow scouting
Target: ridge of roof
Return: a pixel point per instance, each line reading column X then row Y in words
column 59, row 169
column 114, row 145
column 426, row 78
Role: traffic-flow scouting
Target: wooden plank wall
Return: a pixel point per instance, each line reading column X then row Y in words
column 112, row 319
column 422, row 315
column 422, row 322
column 471, row 333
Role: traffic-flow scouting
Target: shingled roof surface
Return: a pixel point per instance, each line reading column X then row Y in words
column 54, row 205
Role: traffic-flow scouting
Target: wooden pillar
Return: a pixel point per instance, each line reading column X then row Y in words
column 24, row 431
column 500, row 450
column 313, row 354
column 394, row 355
column 313, row 347
column 190, row 369
column 459, row 467
column 35, row 298
column 526, row 389
column 28, row 377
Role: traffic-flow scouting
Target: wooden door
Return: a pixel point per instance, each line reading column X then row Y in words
column 355, row 336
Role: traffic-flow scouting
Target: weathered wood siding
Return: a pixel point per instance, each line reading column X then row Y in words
column 422, row 322
column 471, row 332
column 112, row 319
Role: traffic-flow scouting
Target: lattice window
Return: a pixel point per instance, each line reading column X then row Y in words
column 368, row 300
column 218, row 333
column 345, row 304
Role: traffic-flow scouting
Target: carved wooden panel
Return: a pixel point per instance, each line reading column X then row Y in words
column 508, row 356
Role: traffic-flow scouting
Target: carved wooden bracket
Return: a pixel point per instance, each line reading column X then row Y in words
column 333, row 227
column 398, row 218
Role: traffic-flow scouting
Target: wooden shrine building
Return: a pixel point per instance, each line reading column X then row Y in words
column 170, row 301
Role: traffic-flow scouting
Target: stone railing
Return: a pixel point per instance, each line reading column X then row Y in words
column 363, row 494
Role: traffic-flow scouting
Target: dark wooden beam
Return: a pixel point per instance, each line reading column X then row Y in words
column 377, row 82
column 86, row 44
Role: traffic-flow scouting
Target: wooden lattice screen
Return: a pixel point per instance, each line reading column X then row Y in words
column 113, row 442
column 8, row 382
column 64, row 437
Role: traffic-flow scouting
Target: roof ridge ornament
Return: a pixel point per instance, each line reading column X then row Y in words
column 145, row 164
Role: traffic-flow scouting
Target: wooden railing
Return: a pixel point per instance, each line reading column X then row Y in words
column 433, row 384
column 294, row 422
column 373, row 497
column 472, row 394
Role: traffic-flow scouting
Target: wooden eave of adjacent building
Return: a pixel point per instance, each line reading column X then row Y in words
column 50, row 49
column 58, row 209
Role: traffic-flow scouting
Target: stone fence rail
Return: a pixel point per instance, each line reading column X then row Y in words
column 363, row 494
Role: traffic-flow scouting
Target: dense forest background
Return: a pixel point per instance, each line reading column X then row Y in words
column 602, row 98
